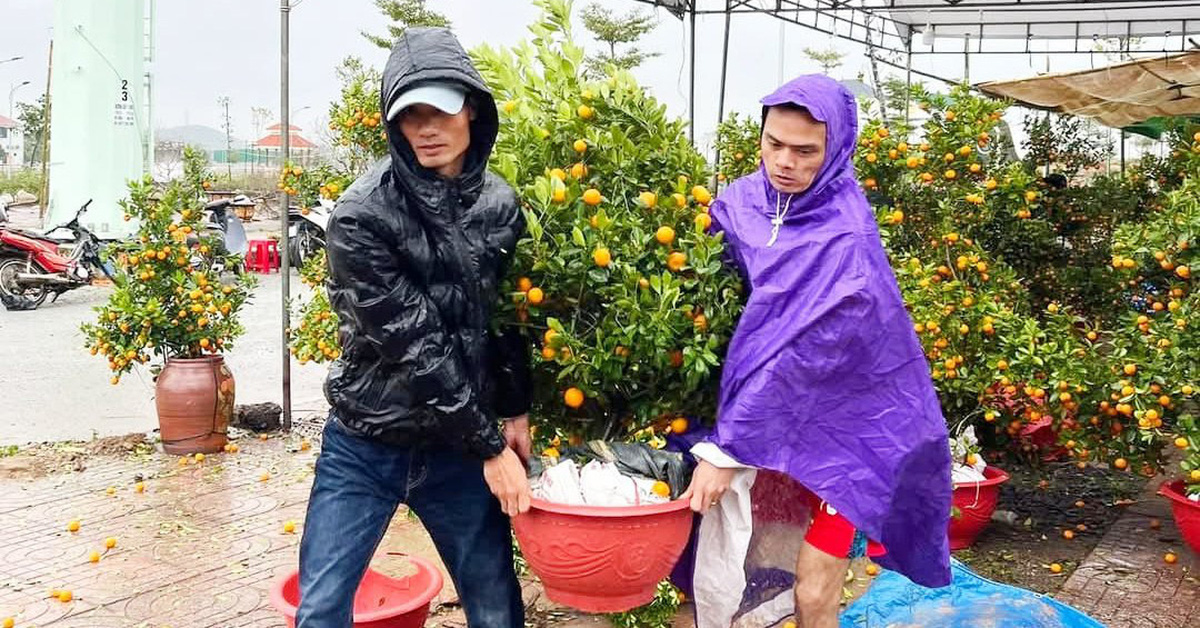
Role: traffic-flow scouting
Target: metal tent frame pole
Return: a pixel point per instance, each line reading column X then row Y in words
column 1123, row 151
column 724, row 74
column 908, row 72
column 967, row 60
column 692, row 81
column 844, row 19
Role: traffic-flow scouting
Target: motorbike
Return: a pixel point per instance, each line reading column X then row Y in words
column 226, row 228
column 5, row 250
column 306, row 231
column 33, row 267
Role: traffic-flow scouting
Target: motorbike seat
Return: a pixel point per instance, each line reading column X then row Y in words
column 36, row 235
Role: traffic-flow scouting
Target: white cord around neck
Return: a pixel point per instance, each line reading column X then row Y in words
column 780, row 214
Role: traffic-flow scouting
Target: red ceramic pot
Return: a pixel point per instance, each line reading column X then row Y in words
column 603, row 559
column 1185, row 511
column 380, row 602
column 975, row 502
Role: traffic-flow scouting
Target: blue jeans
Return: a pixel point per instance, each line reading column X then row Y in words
column 358, row 486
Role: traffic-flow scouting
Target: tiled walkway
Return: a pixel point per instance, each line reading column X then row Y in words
column 199, row 547
column 201, row 544
column 1125, row 582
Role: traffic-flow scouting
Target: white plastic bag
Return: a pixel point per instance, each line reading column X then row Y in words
column 960, row 446
column 961, row 473
column 604, row 485
column 596, row 484
column 559, row 484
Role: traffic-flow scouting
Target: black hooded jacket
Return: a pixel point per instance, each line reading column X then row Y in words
column 415, row 260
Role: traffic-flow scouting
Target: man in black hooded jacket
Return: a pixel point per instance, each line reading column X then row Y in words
column 417, row 248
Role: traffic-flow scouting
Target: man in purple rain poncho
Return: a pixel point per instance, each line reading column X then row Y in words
column 825, row 381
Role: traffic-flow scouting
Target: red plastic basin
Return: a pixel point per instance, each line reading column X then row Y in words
column 380, row 602
column 975, row 501
column 603, row 559
column 1185, row 511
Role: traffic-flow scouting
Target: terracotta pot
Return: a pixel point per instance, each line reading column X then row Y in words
column 1185, row 511
column 603, row 559
column 194, row 397
column 975, row 501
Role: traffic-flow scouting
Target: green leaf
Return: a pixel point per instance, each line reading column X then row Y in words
column 541, row 190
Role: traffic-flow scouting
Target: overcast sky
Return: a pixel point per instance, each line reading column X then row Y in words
column 231, row 48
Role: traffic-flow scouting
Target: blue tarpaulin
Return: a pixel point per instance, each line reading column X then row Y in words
column 970, row 601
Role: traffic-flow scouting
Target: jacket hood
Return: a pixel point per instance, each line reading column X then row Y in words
column 828, row 101
column 422, row 55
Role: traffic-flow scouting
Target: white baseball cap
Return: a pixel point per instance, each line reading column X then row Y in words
column 447, row 97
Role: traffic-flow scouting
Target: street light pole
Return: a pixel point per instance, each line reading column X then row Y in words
column 11, row 60
column 11, row 92
column 284, row 259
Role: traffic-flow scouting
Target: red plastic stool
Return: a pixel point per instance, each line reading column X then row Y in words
column 263, row 256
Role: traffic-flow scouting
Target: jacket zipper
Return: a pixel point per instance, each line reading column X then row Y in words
column 462, row 250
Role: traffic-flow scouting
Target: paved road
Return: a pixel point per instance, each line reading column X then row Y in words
column 52, row 389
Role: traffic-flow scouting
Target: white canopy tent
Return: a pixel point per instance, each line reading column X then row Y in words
column 963, row 27
column 1077, row 21
column 891, row 24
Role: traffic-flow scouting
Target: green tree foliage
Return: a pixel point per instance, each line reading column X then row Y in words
column 404, row 14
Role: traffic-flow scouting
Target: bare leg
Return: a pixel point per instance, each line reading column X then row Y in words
column 819, row 579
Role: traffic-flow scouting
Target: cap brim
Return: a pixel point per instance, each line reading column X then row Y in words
column 446, row 99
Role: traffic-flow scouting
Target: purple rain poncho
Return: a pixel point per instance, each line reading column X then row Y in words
column 825, row 379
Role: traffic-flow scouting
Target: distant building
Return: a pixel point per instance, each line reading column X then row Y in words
column 271, row 145
column 12, row 143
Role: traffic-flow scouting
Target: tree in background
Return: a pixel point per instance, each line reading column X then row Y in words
column 405, row 14
column 829, row 60
column 168, row 158
column 614, row 30
column 227, row 126
column 897, row 96
column 33, row 122
column 1065, row 144
column 1116, row 49
column 258, row 117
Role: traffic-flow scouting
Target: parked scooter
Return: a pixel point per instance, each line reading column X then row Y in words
column 32, row 268
column 220, row 222
column 6, row 250
column 306, row 231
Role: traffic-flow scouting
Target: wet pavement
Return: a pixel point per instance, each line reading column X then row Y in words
column 53, row 390
column 1126, row 583
column 202, row 542
column 199, row 546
